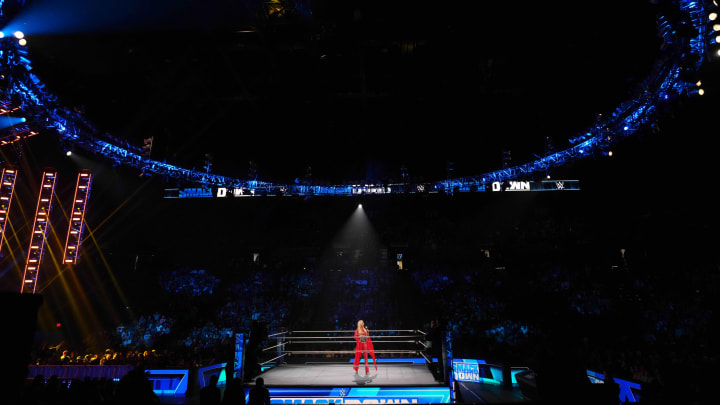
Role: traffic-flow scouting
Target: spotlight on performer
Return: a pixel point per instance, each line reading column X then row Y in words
column 19, row 35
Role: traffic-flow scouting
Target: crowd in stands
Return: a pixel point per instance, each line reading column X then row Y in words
column 628, row 319
column 145, row 331
column 209, row 336
column 187, row 282
column 367, row 292
column 200, row 315
column 260, row 298
column 476, row 304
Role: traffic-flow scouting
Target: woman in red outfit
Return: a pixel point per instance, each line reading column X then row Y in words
column 364, row 345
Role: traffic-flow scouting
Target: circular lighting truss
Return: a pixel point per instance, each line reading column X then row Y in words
column 690, row 35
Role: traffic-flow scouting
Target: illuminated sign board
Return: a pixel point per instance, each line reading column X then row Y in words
column 239, row 355
column 359, row 190
column 512, row 186
column 206, row 373
column 545, row 185
column 188, row 193
column 466, row 370
column 173, row 383
column 361, row 395
column 629, row 391
column 371, row 189
column 479, row 371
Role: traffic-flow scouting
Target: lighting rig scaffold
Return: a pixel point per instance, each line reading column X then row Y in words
column 16, row 134
column 39, row 232
column 687, row 36
column 7, row 189
column 6, row 107
column 77, row 218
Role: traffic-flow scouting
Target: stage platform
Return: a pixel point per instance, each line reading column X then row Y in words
column 331, row 375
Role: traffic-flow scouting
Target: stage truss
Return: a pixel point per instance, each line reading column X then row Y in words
column 77, row 218
column 39, row 232
column 686, row 41
column 7, row 190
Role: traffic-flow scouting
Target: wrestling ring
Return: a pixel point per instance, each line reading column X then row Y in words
column 403, row 357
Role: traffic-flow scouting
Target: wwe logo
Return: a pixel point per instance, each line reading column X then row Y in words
column 560, row 185
column 421, row 188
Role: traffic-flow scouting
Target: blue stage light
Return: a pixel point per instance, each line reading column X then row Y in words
column 7, row 122
column 631, row 116
column 2, row 34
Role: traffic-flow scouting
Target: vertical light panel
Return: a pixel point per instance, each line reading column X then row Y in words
column 7, row 189
column 77, row 218
column 39, row 230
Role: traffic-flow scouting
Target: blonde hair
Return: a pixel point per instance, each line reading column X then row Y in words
column 361, row 322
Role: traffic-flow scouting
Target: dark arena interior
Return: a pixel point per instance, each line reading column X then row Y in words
column 316, row 201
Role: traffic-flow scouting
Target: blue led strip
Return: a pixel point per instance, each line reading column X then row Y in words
column 172, row 383
column 358, row 395
column 682, row 58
